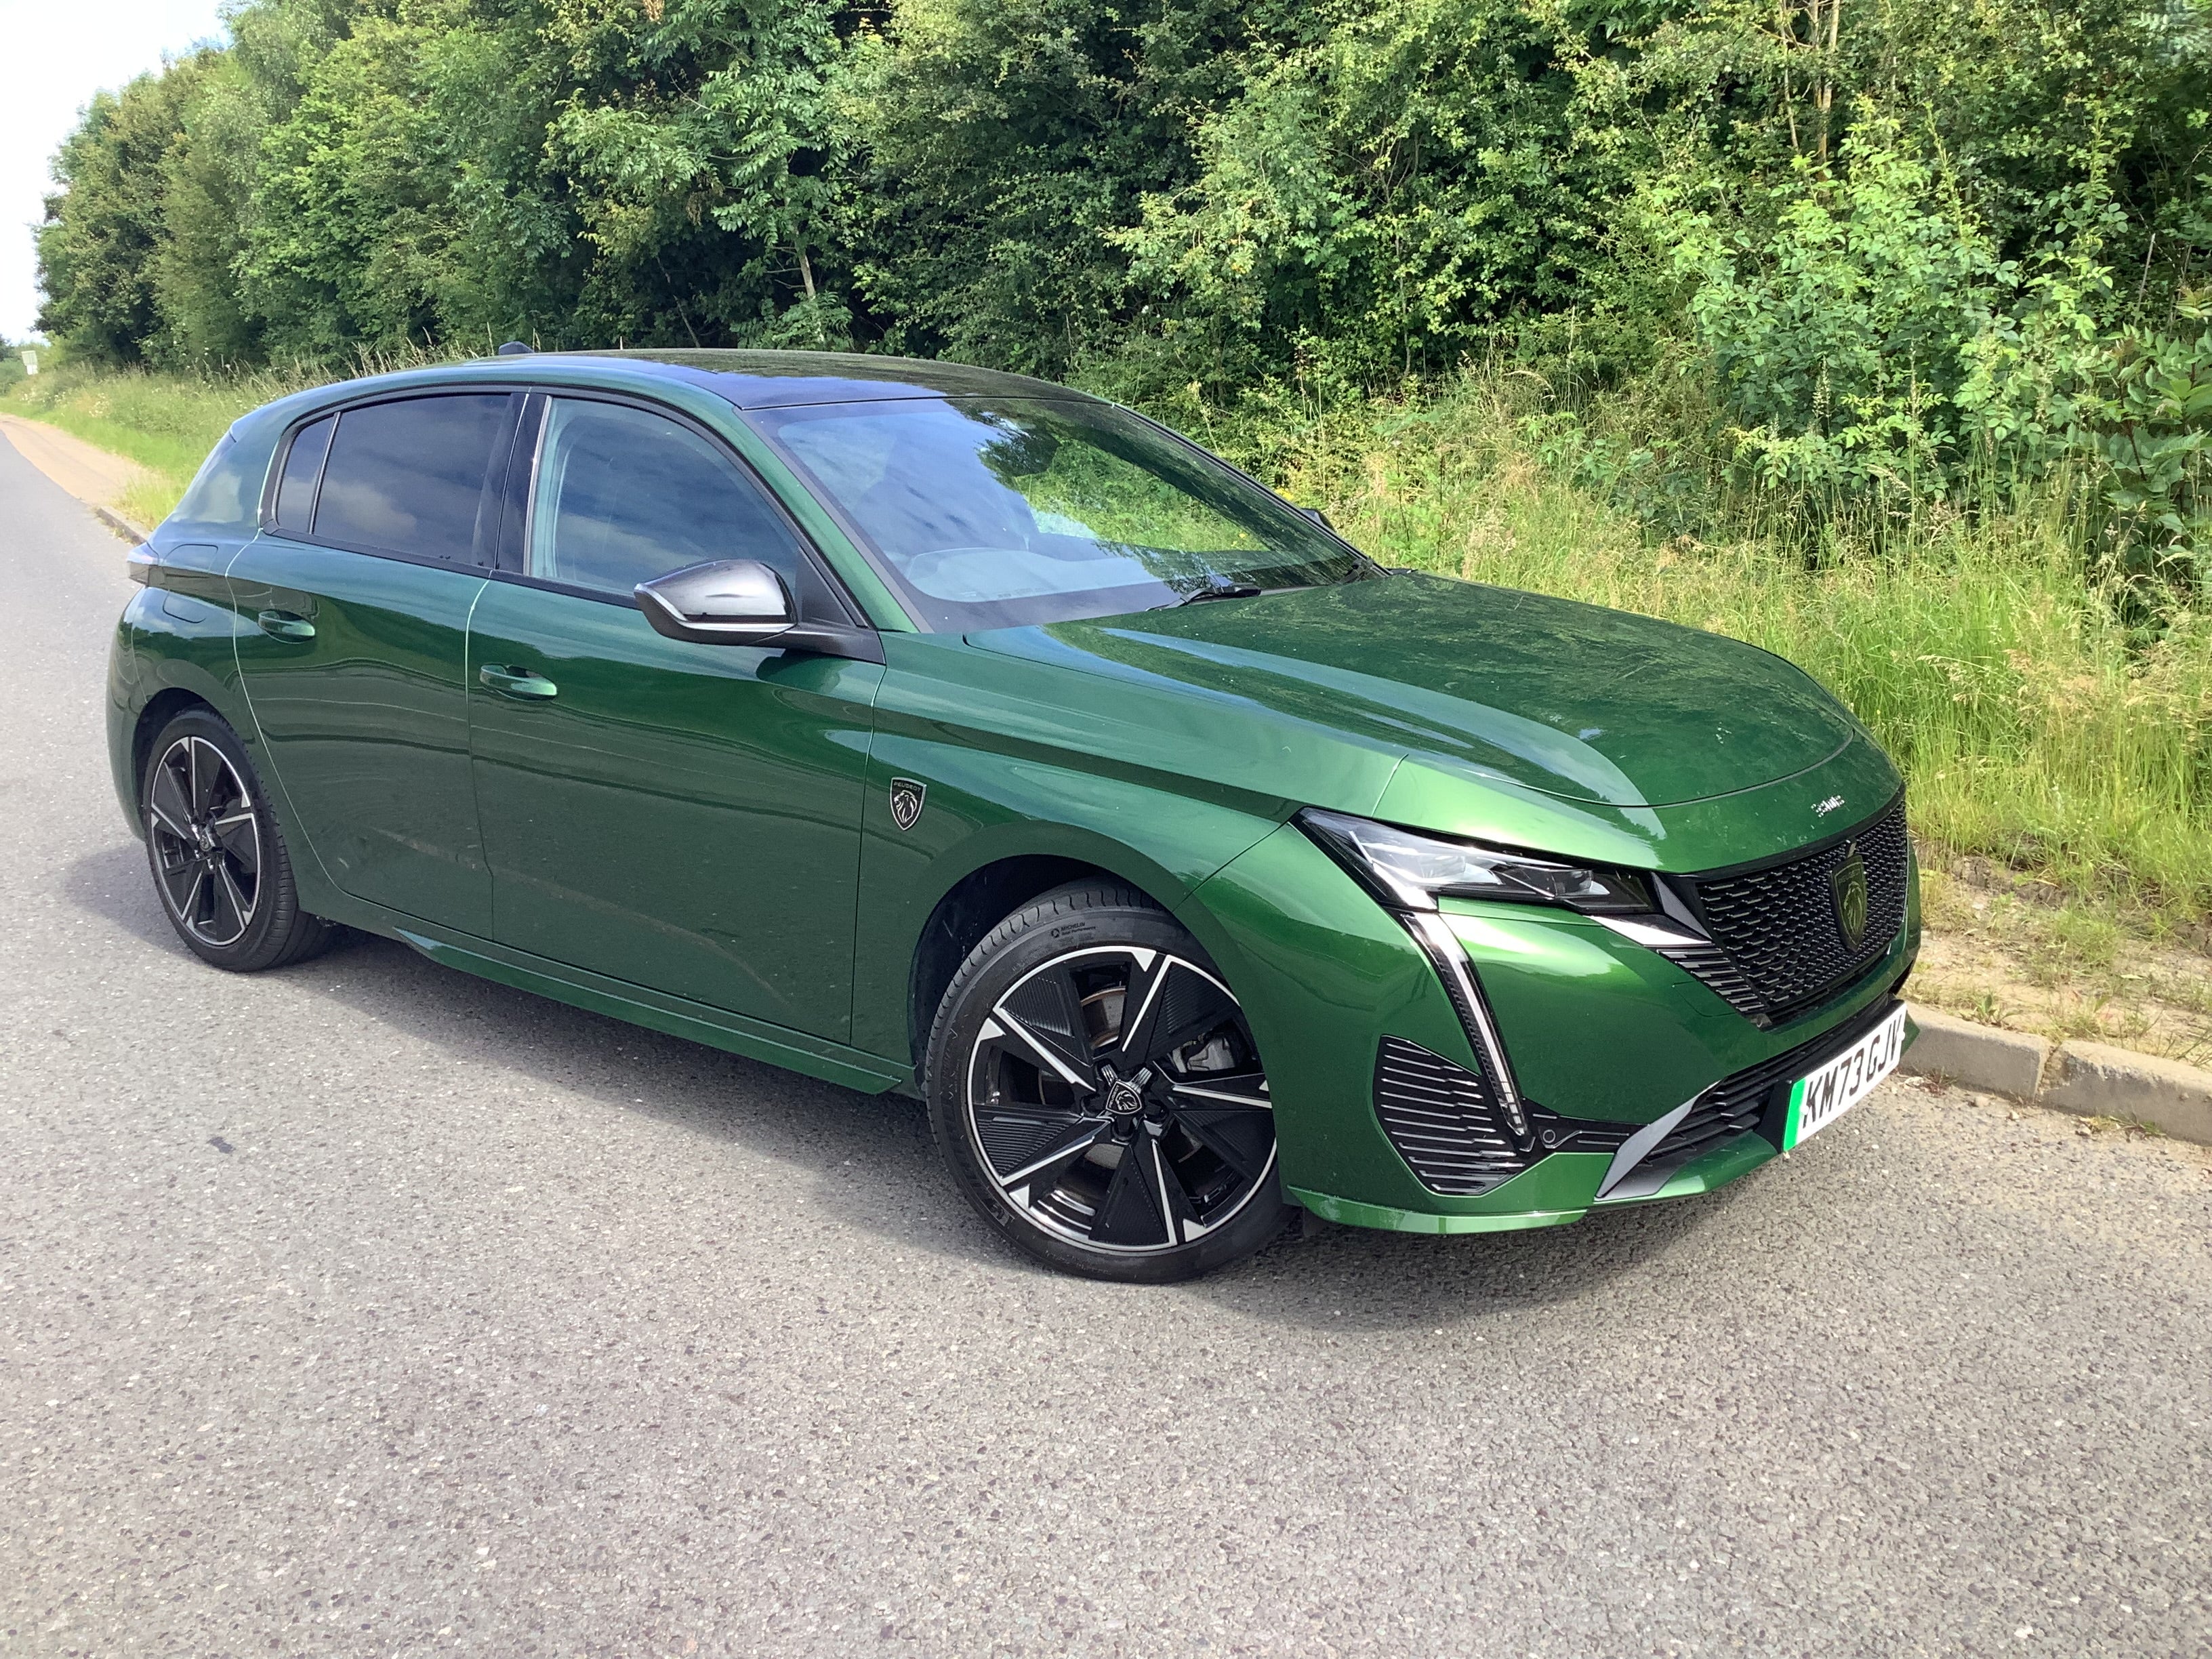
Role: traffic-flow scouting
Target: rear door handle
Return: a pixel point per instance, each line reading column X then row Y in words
column 283, row 625
column 517, row 682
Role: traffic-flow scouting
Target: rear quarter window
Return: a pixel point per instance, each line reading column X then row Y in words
column 303, row 466
column 221, row 492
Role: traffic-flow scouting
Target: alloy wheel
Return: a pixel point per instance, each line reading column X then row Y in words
column 206, row 838
column 1117, row 1100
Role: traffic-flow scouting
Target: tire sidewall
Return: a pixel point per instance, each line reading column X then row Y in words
column 1026, row 941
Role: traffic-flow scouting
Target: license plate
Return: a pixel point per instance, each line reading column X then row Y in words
column 1817, row 1101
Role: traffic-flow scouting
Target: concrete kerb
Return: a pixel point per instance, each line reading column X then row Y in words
column 115, row 521
column 2086, row 1078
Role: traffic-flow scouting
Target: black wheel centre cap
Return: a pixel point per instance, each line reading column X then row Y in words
column 1124, row 1098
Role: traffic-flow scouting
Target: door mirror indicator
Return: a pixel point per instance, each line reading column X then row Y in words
column 722, row 602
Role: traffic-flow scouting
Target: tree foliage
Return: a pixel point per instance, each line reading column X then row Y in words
column 1900, row 240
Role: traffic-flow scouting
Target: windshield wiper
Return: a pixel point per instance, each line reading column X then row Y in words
column 1225, row 591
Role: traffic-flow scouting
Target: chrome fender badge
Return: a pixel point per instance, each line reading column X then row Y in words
column 906, row 797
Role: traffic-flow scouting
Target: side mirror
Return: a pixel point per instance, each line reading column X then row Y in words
column 722, row 602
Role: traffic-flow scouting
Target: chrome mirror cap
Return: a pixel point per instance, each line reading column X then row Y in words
column 722, row 602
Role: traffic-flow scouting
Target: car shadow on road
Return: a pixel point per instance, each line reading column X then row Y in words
column 871, row 1158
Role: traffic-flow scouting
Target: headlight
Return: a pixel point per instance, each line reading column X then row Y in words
column 1411, row 871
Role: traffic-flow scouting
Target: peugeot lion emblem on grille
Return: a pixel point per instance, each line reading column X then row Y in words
column 1851, row 884
column 906, row 797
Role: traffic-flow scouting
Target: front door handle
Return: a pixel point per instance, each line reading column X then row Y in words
column 517, row 682
column 283, row 625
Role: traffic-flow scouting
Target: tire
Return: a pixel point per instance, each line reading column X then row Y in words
column 1138, row 1147
column 219, row 865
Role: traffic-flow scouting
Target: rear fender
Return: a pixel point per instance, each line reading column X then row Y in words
column 177, row 644
column 171, row 650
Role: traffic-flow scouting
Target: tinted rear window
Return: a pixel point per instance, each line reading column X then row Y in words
column 410, row 476
column 303, row 464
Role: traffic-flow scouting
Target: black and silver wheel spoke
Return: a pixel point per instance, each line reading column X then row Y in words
column 203, row 764
column 195, row 899
column 1034, row 1147
column 206, row 840
column 1135, row 1211
column 170, row 802
column 1241, row 1136
column 240, row 836
column 229, row 909
column 1044, row 1015
column 1177, row 1004
column 1117, row 1100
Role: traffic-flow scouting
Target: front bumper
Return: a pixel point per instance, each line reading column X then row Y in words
column 1599, row 1031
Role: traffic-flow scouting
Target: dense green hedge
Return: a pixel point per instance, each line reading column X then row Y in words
column 1903, row 248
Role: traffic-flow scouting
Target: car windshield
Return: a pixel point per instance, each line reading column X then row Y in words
column 1003, row 511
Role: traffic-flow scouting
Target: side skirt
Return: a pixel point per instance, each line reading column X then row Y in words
column 776, row 1045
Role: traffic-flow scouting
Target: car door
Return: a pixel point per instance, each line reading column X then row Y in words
column 681, row 816
column 383, row 520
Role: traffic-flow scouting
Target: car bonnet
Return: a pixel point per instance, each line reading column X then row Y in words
column 1566, row 699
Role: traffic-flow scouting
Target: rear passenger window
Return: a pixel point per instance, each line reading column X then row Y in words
column 624, row 497
column 411, row 477
column 303, row 464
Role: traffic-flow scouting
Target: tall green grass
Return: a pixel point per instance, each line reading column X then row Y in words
column 2035, row 728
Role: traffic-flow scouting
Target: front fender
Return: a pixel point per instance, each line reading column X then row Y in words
column 984, row 803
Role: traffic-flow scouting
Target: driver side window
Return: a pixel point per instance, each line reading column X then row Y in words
column 622, row 497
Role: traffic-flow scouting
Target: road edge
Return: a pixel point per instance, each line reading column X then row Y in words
column 116, row 522
column 2089, row 1079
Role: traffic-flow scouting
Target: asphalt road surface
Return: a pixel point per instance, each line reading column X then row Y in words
column 364, row 1308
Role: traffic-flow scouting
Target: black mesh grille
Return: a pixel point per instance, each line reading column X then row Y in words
column 1441, row 1118
column 1779, row 926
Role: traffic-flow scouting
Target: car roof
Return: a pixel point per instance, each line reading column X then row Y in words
column 784, row 380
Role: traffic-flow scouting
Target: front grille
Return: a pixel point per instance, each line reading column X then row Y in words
column 1442, row 1120
column 1713, row 965
column 1779, row 926
column 1740, row 1103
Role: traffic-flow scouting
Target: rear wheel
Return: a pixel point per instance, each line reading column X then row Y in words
column 220, row 864
column 1095, row 1088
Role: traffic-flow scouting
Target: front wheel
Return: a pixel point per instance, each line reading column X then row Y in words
column 1095, row 1088
column 220, row 864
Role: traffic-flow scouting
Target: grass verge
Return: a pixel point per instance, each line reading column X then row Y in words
column 166, row 423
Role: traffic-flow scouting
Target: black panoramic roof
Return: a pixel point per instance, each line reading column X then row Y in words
column 783, row 380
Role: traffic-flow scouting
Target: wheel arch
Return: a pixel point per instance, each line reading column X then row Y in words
column 161, row 709
column 992, row 887
column 967, row 910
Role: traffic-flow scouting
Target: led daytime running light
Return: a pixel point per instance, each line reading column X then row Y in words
column 1411, row 871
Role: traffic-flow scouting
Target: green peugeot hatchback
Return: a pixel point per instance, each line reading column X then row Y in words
column 934, row 730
